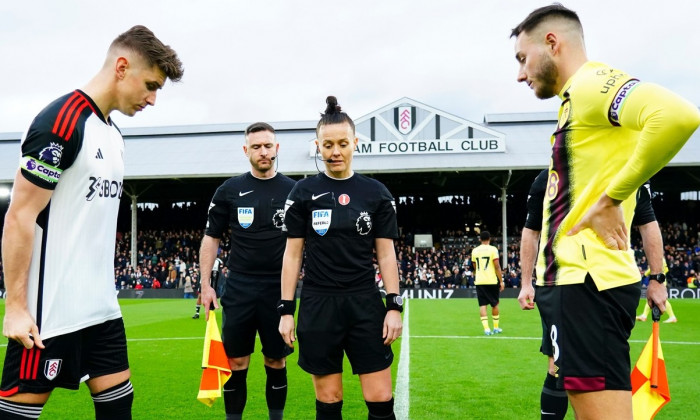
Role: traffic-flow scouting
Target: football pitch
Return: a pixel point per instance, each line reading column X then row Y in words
column 445, row 368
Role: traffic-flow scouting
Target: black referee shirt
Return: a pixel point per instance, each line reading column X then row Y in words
column 339, row 220
column 254, row 209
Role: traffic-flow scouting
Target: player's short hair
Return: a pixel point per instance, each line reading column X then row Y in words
column 334, row 115
column 142, row 41
column 534, row 19
column 485, row 235
column 258, row 126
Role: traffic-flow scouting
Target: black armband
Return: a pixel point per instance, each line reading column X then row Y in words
column 286, row 307
column 394, row 302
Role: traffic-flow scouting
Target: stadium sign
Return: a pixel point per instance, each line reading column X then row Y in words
column 685, row 293
column 408, row 127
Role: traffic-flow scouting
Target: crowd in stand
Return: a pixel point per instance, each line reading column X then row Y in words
column 165, row 259
column 169, row 259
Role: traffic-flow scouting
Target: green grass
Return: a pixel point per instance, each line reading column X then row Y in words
column 455, row 371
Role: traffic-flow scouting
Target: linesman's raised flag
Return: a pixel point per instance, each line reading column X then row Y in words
column 216, row 369
column 650, row 389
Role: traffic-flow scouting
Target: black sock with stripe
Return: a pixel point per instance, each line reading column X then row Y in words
column 114, row 403
column 12, row 410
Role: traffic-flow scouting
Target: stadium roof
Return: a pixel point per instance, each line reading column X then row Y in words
column 435, row 153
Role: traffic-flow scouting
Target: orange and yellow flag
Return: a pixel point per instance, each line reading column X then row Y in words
column 216, row 369
column 650, row 389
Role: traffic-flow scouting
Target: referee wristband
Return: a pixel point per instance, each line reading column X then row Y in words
column 394, row 302
column 286, row 307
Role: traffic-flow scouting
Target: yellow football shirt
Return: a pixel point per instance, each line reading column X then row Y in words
column 614, row 132
column 483, row 257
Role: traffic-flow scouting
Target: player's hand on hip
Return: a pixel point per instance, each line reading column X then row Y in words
column 208, row 295
column 392, row 327
column 19, row 325
column 526, row 297
column 605, row 218
column 287, row 330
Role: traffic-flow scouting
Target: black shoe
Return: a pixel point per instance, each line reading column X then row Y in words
column 195, row 316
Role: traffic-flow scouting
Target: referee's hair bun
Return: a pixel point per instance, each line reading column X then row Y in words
column 332, row 106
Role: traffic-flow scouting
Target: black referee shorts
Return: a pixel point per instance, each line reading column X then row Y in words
column 588, row 332
column 329, row 326
column 250, row 307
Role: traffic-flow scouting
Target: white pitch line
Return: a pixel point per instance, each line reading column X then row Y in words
column 501, row 337
column 401, row 402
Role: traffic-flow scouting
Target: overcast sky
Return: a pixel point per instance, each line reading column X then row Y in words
column 277, row 60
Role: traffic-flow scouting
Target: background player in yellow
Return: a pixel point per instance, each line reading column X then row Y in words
column 488, row 281
column 614, row 132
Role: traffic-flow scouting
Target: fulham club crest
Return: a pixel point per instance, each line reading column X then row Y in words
column 52, row 368
column 405, row 118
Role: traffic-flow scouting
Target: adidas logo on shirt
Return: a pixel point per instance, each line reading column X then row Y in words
column 99, row 154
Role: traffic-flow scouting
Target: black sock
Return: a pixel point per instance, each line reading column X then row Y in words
column 114, row 403
column 236, row 392
column 197, row 309
column 553, row 401
column 12, row 410
column 383, row 410
column 276, row 391
column 329, row 411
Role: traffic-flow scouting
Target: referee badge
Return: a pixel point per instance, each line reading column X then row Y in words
column 321, row 221
column 364, row 223
column 246, row 216
column 278, row 219
column 52, row 368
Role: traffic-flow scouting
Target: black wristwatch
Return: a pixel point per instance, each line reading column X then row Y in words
column 661, row 277
column 394, row 302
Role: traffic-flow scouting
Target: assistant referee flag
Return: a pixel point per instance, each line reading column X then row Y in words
column 216, row 369
column 650, row 389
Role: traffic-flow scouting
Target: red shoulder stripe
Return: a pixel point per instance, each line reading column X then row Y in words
column 68, row 116
column 75, row 119
column 63, row 109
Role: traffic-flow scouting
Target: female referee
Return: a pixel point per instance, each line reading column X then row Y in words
column 341, row 217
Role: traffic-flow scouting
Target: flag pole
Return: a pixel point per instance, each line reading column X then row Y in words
column 655, row 316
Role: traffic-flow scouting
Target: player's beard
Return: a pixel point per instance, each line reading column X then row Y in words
column 262, row 168
column 546, row 77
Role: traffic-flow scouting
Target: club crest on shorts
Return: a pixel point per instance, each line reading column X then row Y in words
column 278, row 219
column 52, row 368
column 364, row 223
column 321, row 221
column 246, row 216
